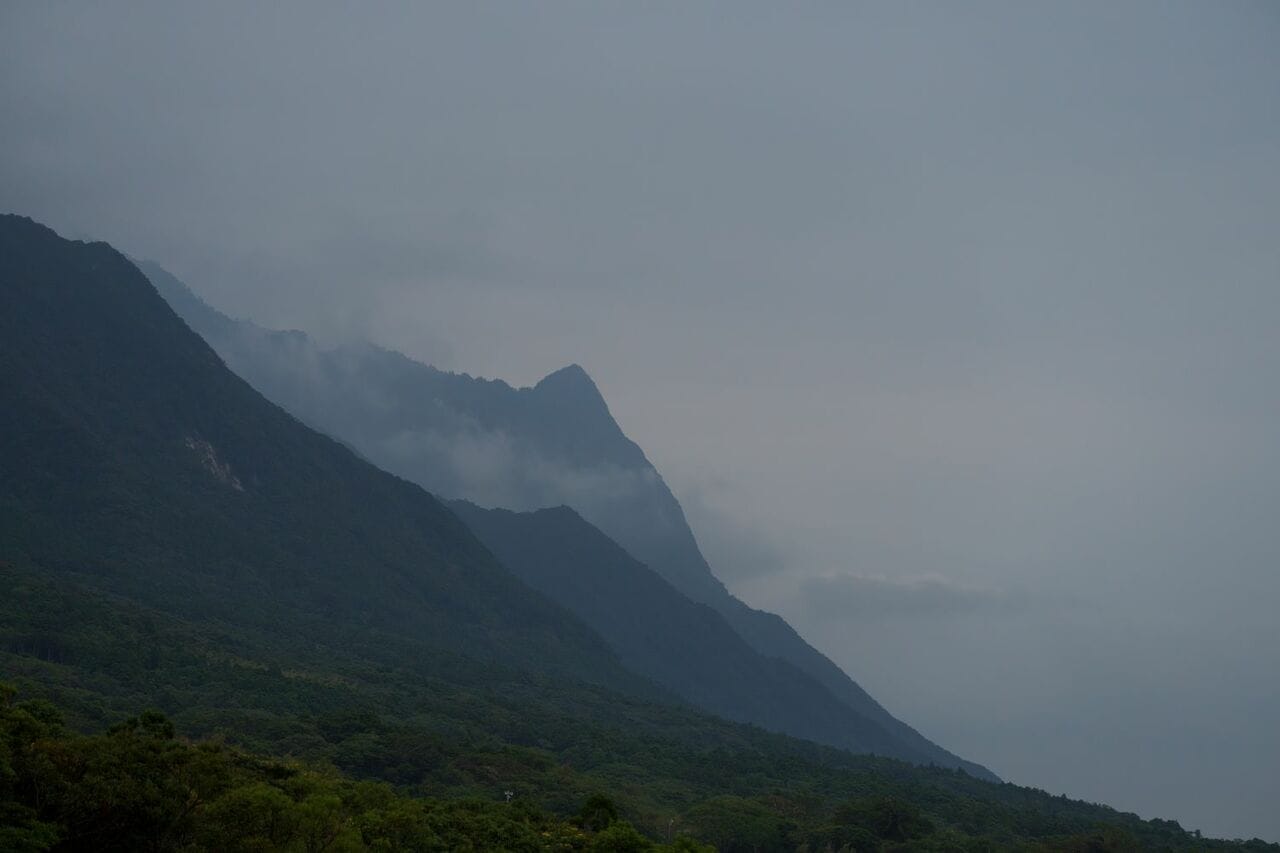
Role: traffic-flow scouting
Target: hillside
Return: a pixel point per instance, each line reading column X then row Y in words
column 129, row 454
column 423, row 754
column 524, row 449
column 659, row 633
column 358, row 670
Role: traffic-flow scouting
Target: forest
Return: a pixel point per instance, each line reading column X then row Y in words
column 127, row 729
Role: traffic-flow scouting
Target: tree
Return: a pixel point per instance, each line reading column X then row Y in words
column 597, row 813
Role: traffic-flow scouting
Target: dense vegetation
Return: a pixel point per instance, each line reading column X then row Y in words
column 454, row 745
column 137, row 787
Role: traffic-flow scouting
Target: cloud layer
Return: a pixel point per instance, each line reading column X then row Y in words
column 852, row 597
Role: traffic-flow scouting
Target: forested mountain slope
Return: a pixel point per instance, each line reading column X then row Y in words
column 170, row 540
column 683, row 645
column 462, row 741
column 130, row 454
column 519, row 448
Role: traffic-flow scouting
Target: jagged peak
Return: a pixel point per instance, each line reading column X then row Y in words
column 569, row 373
column 569, row 380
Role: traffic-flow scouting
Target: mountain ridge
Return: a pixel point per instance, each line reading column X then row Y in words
column 520, row 448
column 140, row 481
column 660, row 634
column 130, row 454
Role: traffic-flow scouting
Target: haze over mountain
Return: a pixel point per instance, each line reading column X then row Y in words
column 680, row 644
column 171, row 538
column 133, row 457
column 951, row 326
column 555, row 443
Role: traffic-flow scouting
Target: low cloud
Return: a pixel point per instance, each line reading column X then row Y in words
column 834, row 597
column 493, row 468
column 738, row 546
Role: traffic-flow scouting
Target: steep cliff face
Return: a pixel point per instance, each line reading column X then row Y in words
column 522, row 449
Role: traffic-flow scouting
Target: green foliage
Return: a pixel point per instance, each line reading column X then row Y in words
column 739, row 824
column 137, row 787
column 885, row 818
column 619, row 837
column 597, row 813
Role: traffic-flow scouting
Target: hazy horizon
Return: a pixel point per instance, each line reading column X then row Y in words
column 952, row 329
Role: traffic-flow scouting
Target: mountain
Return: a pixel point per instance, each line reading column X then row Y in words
column 663, row 635
column 465, row 437
column 519, row 448
column 346, row 665
column 130, row 454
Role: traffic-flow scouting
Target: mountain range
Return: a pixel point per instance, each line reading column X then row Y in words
column 557, row 444
column 131, row 456
column 333, row 658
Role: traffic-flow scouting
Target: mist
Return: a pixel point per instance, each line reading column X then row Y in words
column 952, row 328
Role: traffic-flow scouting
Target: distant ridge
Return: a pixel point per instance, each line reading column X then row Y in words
column 659, row 633
column 520, row 448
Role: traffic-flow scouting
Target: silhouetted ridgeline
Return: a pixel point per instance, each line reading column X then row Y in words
column 356, row 669
column 553, row 444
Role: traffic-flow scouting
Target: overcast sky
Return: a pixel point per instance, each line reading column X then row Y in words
column 953, row 325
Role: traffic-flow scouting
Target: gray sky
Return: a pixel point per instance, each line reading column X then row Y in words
column 952, row 325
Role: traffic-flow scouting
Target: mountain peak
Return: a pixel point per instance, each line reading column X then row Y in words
column 571, row 389
column 571, row 378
